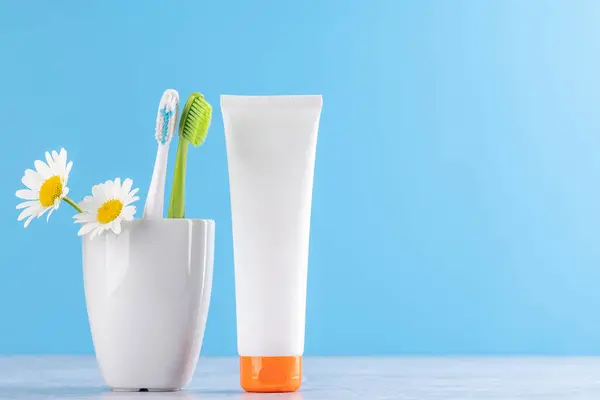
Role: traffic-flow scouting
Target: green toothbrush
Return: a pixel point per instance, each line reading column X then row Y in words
column 193, row 128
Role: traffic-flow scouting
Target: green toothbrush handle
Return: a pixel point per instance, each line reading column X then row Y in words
column 177, row 205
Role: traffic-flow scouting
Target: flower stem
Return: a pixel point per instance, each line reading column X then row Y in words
column 73, row 204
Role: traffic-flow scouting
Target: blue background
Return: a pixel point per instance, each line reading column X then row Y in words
column 456, row 193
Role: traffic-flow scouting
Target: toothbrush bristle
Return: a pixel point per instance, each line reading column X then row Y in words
column 195, row 119
column 168, row 114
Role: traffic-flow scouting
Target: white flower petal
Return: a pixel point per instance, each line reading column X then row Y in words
column 59, row 167
column 96, row 190
column 88, row 207
column 49, row 214
column 50, row 163
column 130, row 199
column 98, row 231
column 37, row 208
column 115, row 190
column 105, row 192
column 44, row 211
column 84, row 205
column 63, row 155
column 29, row 220
column 25, row 204
column 116, row 226
column 60, row 161
column 127, row 184
column 68, row 171
column 26, row 213
column 87, row 228
column 29, row 183
column 97, row 203
column 32, row 179
column 128, row 213
column 43, row 169
column 84, row 217
column 87, row 200
column 27, row 194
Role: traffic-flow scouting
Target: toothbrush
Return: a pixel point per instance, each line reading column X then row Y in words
column 193, row 128
column 166, row 123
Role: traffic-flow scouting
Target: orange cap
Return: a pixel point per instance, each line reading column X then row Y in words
column 271, row 374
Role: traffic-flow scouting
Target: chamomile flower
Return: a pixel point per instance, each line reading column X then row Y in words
column 46, row 187
column 107, row 207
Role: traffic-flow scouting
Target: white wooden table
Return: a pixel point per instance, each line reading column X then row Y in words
column 77, row 377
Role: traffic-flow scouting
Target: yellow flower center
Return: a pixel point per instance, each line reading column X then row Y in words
column 50, row 190
column 109, row 211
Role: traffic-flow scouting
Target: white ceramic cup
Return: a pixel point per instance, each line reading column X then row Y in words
column 147, row 292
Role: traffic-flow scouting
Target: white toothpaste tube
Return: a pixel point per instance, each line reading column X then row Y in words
column 271, row 143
